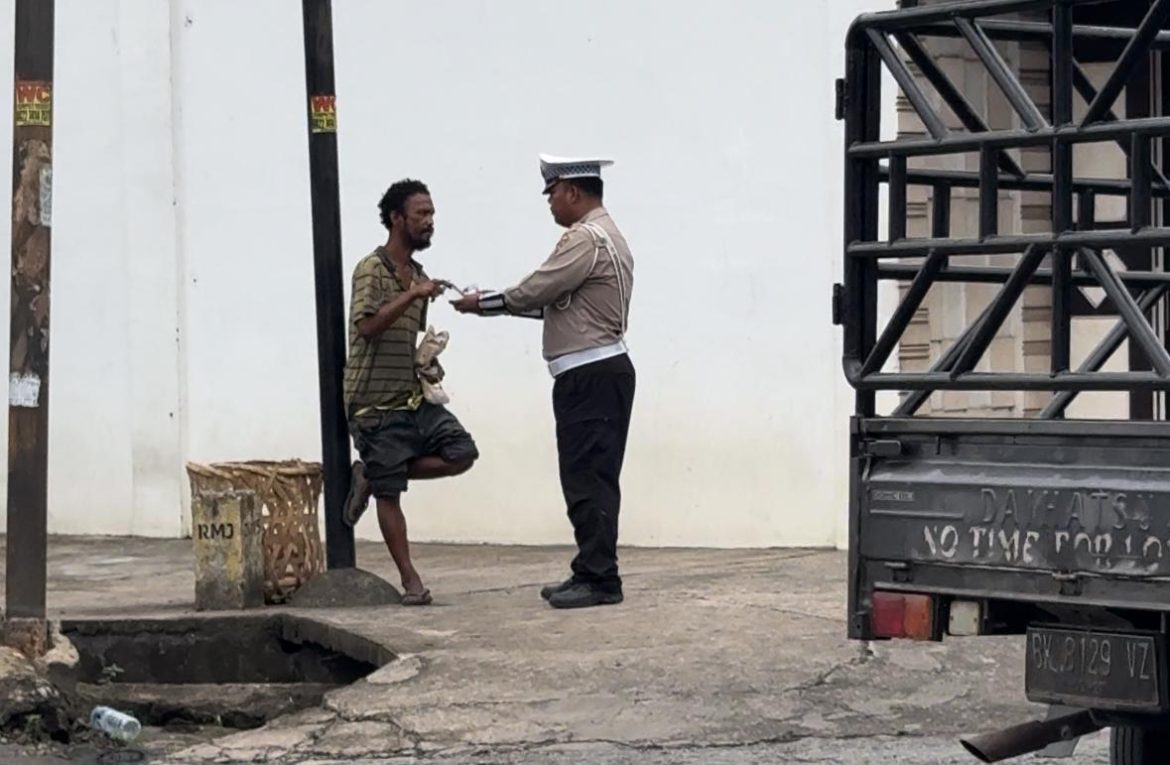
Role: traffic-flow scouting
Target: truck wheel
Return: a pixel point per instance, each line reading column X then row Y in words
column 1130, row 745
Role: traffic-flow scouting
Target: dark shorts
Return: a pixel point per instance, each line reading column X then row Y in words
column 389, row 442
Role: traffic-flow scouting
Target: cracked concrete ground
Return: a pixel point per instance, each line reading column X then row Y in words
column 716, row 655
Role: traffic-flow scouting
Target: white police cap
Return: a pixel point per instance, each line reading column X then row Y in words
column 553, row 169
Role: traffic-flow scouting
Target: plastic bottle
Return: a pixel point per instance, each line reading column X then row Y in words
column 115, row 724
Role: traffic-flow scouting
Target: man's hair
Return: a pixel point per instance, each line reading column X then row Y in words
column 591, row 186
column 394, row 200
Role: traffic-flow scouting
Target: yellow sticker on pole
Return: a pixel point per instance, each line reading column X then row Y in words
column 323, row 114
column 34, row 103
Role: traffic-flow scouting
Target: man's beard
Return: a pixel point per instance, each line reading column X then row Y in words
column 419, row 243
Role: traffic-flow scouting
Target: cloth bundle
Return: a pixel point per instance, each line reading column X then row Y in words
column 427, row 366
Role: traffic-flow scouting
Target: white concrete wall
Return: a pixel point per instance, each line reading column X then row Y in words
column 183, row 312
column 115, row 440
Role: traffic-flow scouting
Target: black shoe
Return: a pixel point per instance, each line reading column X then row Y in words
column 547, row 591
column 583, row 596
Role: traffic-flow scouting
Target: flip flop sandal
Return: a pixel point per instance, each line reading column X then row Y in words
column 358, row 498
column 417, row 598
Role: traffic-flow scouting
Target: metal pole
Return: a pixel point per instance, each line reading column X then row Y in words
column 998, row 311
column 1135, row 53
column 28, row 391
column 1143, row 335
column 953, row 97
column 926, row 112
column 1104, row 239
column 1101, row 354
column 1002, row 74
column 994, row 275
column 1063, row 176
column 1030, row 182
column 903, row 314
column 322, row 127
column 958, row 143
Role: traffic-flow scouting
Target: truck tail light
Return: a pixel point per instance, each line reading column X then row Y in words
column 900, row 615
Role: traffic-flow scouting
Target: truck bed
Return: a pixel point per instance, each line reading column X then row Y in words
column 1021, row 510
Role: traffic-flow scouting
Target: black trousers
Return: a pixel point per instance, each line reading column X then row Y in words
column 592, row 404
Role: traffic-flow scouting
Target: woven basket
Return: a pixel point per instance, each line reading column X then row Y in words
column 288, row 493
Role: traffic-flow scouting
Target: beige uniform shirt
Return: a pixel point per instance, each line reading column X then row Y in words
column 578, row 288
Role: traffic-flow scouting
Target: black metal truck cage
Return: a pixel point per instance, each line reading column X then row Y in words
column 1038, row 524
column 1044, row 525
column 1036, row 516
column 1071, row 255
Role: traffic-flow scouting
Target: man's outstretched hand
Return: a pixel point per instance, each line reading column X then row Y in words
column 468, row 303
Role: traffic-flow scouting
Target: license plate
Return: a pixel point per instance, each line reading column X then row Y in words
column 1098, row 670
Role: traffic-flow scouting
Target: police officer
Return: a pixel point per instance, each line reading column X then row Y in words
column 582, row 294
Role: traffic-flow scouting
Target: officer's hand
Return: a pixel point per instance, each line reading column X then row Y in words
column 428, row 289
column 469, row 303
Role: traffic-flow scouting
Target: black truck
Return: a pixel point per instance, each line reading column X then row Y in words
column 1030, row 523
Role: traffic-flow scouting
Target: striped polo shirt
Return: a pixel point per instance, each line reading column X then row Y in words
column 379, row 373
